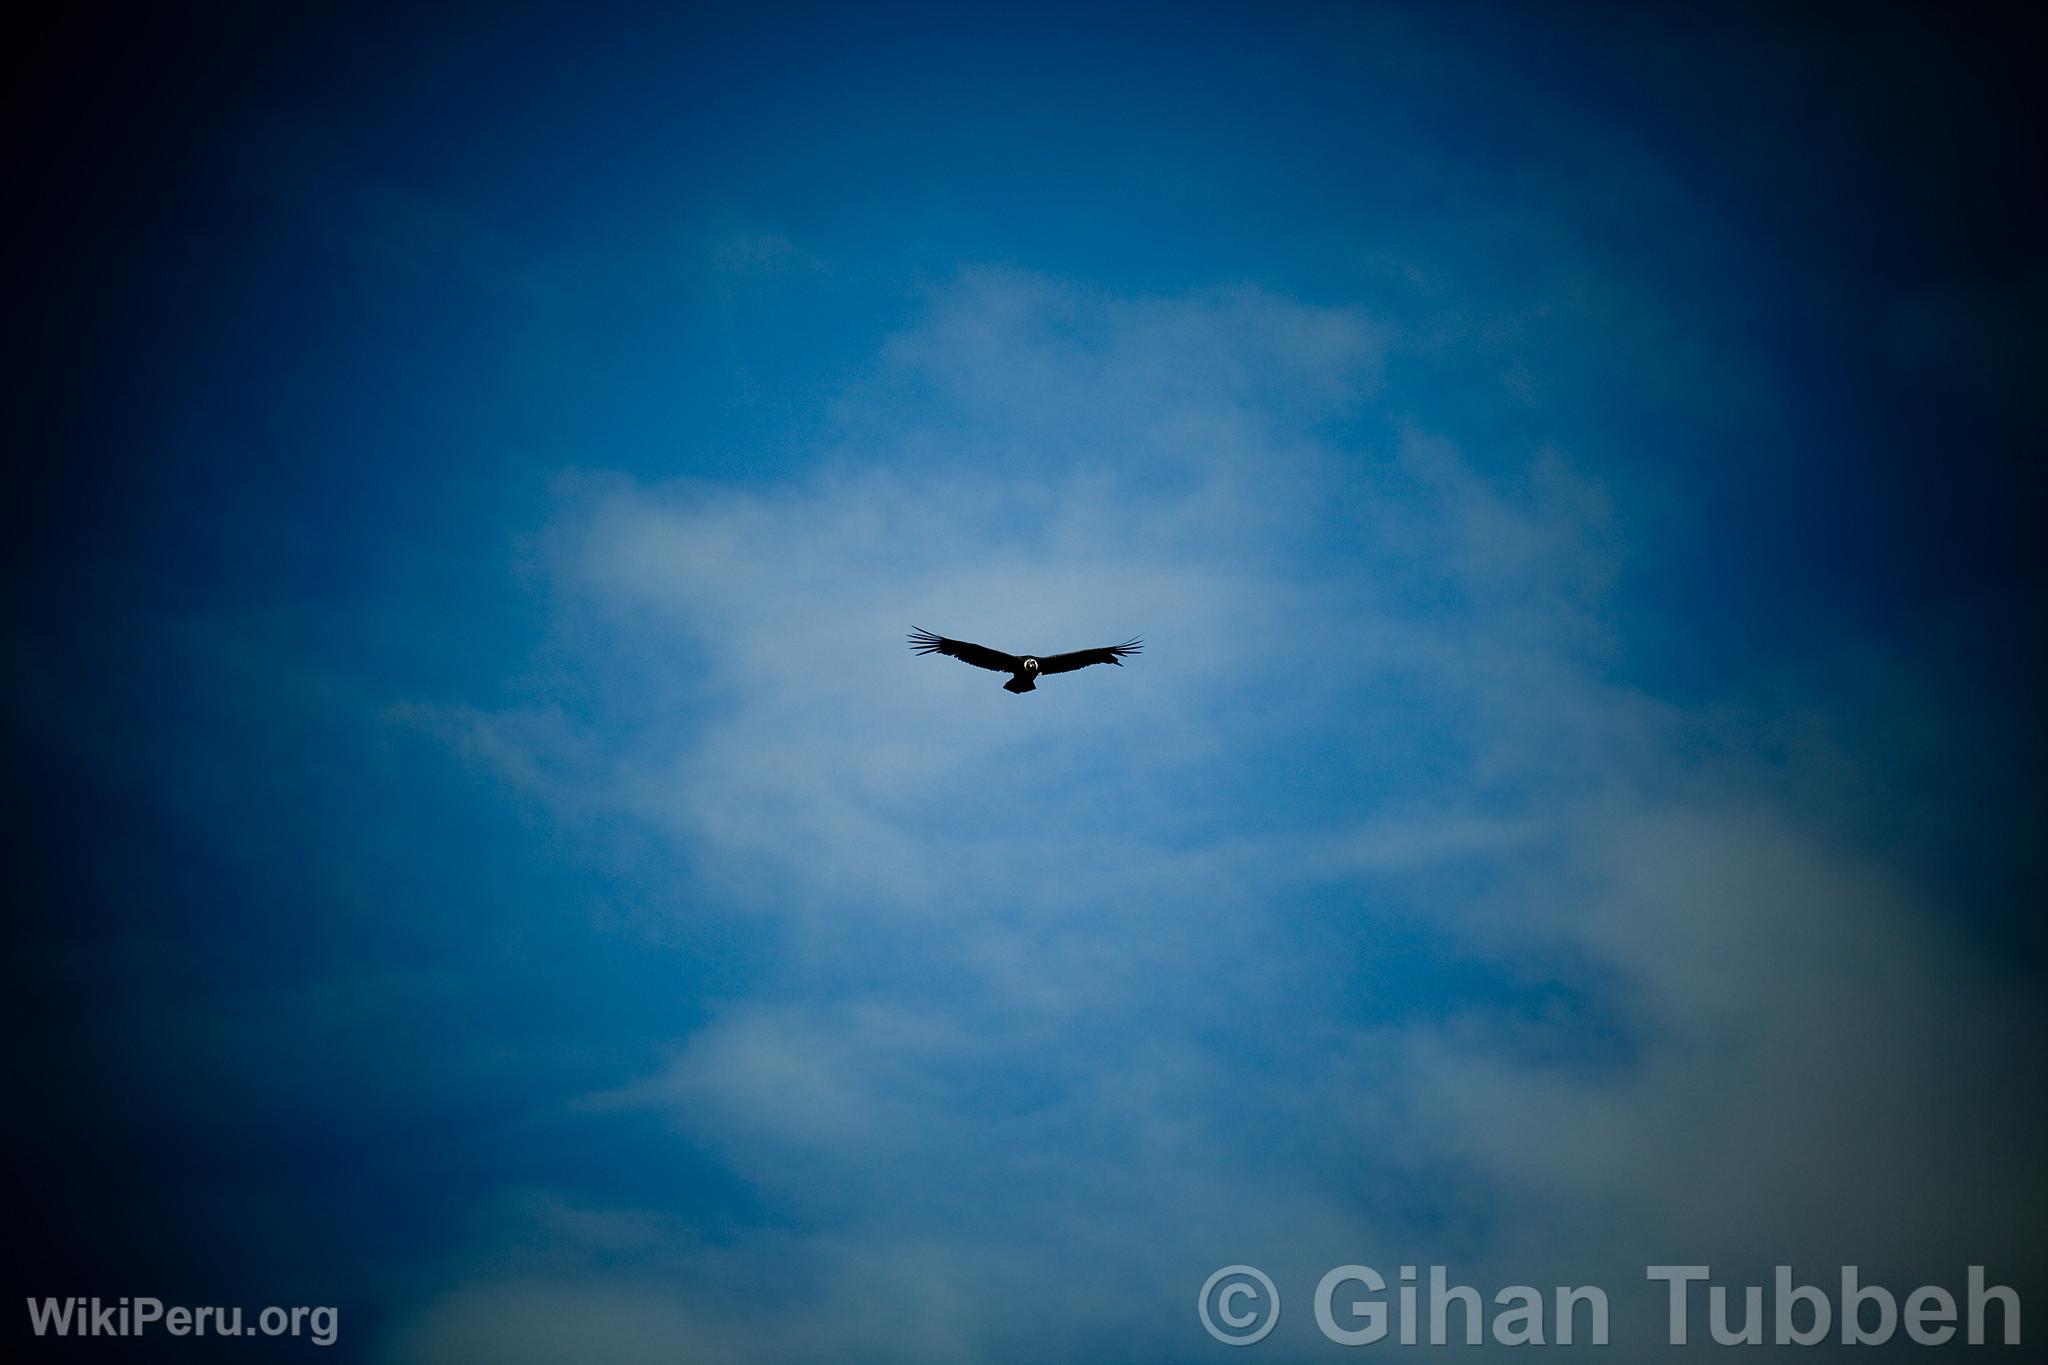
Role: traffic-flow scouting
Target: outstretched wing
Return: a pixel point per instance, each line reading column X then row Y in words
column 981, row 656
column 1081, row 658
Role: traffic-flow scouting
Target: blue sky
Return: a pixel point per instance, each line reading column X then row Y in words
column 489, row 862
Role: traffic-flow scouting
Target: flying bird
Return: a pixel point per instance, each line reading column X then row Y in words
column 1024, row 669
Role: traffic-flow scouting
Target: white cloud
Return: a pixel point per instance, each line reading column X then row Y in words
column 1086, row 987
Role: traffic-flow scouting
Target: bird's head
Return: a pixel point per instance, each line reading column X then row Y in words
column 1031, row 665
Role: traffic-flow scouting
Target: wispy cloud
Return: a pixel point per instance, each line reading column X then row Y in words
column 1364, row 914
